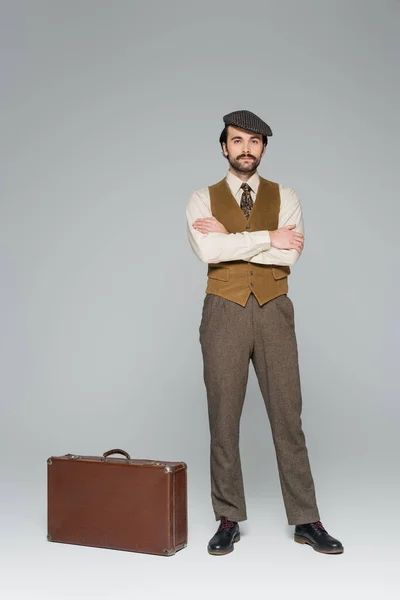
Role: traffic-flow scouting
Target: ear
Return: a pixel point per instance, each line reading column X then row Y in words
column 264, row 149
column 224, row 149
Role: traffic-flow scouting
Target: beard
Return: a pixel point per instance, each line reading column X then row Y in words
column 244, row 166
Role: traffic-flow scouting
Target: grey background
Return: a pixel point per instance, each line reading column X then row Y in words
column 110, row 118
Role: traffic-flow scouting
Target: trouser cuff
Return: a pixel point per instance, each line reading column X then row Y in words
column 306, row 517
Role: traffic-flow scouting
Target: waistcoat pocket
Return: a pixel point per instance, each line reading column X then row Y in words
column 221, row 273
column 280, row 272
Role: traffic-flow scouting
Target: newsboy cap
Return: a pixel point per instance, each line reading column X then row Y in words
column 244, row 119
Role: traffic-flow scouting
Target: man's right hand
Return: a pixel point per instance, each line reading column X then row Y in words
column 286, row 239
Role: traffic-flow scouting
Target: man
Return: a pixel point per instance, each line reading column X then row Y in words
column 249, row 231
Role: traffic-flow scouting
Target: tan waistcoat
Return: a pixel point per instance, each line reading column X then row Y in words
column 236, row 280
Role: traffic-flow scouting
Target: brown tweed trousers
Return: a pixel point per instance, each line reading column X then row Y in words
column 230, row 336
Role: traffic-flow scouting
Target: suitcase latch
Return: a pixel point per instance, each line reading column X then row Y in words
column 167, row 468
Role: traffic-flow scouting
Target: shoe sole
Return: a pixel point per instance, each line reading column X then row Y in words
column 223, row 552
column 301, row 540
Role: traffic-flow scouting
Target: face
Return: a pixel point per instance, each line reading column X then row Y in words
column 243, row 149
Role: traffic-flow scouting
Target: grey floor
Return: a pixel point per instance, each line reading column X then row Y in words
column 266, row 562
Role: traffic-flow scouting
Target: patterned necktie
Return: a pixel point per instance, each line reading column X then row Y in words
column 246, row 203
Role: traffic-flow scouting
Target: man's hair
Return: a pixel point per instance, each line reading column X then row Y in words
column 224, row 136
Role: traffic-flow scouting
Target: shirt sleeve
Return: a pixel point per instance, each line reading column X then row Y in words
column 289, row 214
column 219, row 247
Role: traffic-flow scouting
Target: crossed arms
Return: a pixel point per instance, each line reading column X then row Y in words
column 213, row 244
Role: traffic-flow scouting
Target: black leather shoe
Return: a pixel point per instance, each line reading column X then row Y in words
column 318, row 538
column 227, row 534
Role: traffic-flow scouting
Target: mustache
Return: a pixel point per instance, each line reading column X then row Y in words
column 246, row 156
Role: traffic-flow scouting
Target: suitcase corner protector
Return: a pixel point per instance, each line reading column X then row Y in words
column 169, row 552
column 49, row 538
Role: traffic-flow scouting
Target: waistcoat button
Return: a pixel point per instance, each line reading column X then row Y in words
column 247, row 226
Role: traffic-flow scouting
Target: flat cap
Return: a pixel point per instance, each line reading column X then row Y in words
column 248, row 121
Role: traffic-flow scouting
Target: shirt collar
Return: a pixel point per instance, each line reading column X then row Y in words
column 234, row 182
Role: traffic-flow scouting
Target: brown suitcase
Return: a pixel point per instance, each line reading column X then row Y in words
column 119, row 503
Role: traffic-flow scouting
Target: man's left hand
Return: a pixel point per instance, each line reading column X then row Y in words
column 208, row 225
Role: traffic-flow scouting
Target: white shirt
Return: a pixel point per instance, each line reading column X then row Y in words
column 254, row 246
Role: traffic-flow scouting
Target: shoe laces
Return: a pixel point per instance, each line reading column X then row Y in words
column 319, row 525
column 226, row 523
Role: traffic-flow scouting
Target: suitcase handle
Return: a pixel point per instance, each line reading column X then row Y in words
column 116, row 451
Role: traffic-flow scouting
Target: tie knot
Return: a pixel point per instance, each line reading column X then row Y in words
column 245, row 187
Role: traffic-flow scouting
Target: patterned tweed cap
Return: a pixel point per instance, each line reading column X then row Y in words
column 244, row 119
